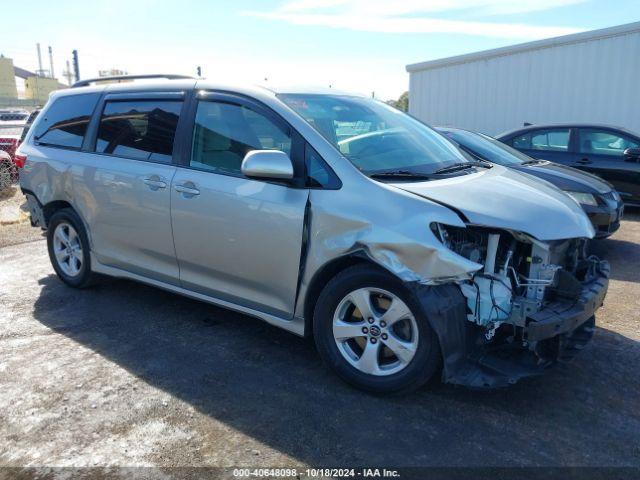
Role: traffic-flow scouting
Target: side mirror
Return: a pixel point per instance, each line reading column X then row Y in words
column 266, row 164
column 631, row 155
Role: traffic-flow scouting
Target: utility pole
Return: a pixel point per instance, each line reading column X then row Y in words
column 40, row 72
column 68, row 74
column 51, row 62
column 76, row 66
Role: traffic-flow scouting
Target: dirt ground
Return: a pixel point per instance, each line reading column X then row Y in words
column 128, row 375
column 12, row 201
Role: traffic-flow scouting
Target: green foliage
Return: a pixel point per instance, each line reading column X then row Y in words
column 402, row 103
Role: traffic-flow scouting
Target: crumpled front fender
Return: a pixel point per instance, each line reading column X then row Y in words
column 391, row 230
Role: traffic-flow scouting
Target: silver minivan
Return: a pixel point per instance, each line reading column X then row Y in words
column 327, row 214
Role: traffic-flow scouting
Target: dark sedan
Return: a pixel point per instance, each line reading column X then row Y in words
column 599, row 200
column 612, row 153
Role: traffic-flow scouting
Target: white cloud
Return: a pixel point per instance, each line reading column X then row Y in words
column 418, row 16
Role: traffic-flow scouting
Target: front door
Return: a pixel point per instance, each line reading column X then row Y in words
column 600, row 151
column 236, row 238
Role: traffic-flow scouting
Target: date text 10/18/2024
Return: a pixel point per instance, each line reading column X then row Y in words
column 315, row 473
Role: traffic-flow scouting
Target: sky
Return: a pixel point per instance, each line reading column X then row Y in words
column 354, row 45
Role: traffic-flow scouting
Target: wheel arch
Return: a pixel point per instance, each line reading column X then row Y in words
column 324, row 274
column 52, row 207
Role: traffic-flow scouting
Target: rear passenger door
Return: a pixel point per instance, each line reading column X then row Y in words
column 129, row 181
column 551, row 144
column 238, row 239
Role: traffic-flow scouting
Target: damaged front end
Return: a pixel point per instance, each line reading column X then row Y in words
column 531, row 305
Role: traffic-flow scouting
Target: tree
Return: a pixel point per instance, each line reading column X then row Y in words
column 402, row 103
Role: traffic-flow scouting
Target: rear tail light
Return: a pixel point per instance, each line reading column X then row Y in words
column 19, row 160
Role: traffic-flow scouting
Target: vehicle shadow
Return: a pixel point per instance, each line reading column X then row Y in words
column 271, row 386
column 622, row 254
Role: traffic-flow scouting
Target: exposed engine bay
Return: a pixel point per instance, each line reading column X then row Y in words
column 521, row 275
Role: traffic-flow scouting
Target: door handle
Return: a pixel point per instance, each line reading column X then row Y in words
column 188, row 189
column 583, row 161
column 155, row 183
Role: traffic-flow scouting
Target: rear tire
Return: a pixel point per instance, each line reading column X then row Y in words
column 390, row 348
column 68, row 247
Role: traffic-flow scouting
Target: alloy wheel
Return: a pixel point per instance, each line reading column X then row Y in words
column 375, row 331
column 67, row 249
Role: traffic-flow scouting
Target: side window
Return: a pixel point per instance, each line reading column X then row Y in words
column 553, row 140
column 319, row 174
column 65, row 122
column 224, row 133
column 139, row 129
column 521, row 142
column 602, row 142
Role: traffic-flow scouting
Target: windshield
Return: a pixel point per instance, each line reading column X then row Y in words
column 374, row 136
column 487, row 148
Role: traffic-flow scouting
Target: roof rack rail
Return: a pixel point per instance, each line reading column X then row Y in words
column 170, row 76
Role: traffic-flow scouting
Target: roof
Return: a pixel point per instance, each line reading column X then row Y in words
column 22, row 73
column 524, row 47
column 528, row 128
column 187, row 84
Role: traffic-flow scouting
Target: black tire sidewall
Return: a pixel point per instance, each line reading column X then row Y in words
column 69, row 216
column 423, row 365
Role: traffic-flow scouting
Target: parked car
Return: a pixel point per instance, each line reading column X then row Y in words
column 7, row 171
column 9, row 141
column 13, row 116
column 611, row 153
column 396, row 252
column 10, row 137
column 28, row 123
column 598, row 199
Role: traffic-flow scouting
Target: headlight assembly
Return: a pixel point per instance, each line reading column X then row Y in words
column 583, row 198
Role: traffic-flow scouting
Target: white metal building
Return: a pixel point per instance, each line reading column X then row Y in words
column 584, row 77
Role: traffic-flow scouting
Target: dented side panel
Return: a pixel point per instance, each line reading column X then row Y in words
column 389, row 227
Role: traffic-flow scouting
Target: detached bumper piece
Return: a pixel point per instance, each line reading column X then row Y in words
column 554, row 334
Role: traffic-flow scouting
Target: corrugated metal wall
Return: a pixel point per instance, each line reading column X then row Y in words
column 593, row 81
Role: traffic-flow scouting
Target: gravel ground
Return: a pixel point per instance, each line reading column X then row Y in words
column 127, row 375
column 12, row 201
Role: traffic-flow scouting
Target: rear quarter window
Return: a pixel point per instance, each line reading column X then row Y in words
column 64, row 124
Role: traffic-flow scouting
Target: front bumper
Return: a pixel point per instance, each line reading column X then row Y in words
column 564, row 316
column 555, row 333
column 605, row 219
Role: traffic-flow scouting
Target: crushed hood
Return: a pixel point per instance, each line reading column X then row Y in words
column 503, row 198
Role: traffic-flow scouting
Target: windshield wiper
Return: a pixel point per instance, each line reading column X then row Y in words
column 534, row 162
column 462, row 166
column 400, row 174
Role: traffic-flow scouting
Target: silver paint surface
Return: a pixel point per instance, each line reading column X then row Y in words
column 238, row 241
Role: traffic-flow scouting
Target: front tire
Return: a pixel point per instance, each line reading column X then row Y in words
column 370, row 329
column 68, row 247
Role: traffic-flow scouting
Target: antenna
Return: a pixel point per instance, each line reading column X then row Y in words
column 51, row 62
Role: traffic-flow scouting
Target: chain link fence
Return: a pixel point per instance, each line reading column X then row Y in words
column 15, row 116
